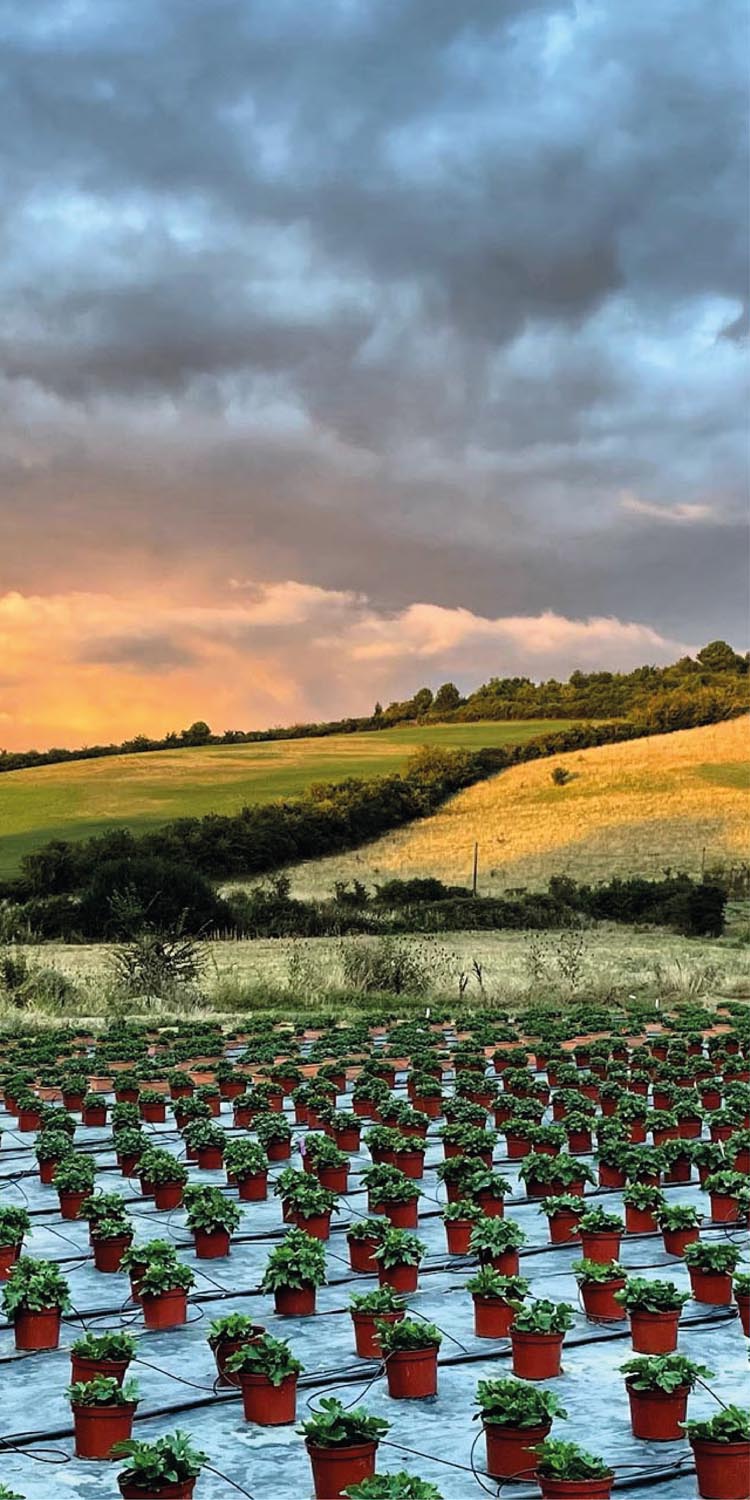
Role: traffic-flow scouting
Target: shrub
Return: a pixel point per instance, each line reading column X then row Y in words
column 494, row 1236
column 601, row 1221
column 159, row 1166
column 399, row 1247
column 233, row 1326
column 14, row 1224
column 401, row 1486
column 75, row 1173
column 165, row 1275
column 489, row 1283
column 720, row 1259
column 593, row 1272
column 245, row 1158
column 209, row 1210
column 105, row 1346
column 382, row 1299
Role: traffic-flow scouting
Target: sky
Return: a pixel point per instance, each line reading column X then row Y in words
column 352, row 345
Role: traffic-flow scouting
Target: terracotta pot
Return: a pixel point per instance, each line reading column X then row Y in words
column 253, row 1189
column 675, row 1240
column 599, row 1301
column 360, row 1255
column 710, row 1286
column 168, row 1195
column 8, row 1256
column 211, row 1244
column 576, row 1489
column 654, row 1332
column 98, row 1428
column 412, row 1373
column 563, row 1227
column 510, row 1449
column 266, row 1404
column 109, row 1253
column 294, row 1302
column 182, row 1490
column 601, row 1246
column 337, row 1469
column 536, row 1356
column 743, row 1307
column 401, row 1278
column 88, row 1369
column 167, row 1310
column 722, row 1469
column 366, row 1341
column 655, row 1416
column 458, row 1234
column 492, row 1317
column 37, row 1330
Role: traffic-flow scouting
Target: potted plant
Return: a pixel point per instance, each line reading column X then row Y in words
column 680, row 1226
column 721, row 1449
column 363, row 1238
column 14, row 1224
column 110, row 1238
column 294, row 1270
column 741, row 1286
column 309, row 1206
column 729, row 1193
column 341, row 1445
column 163, row 1289
column 167, row 1467
column 495, row 1298
column 410, row 1347
column 515, row 1417
column 710, row 1268
column 398, row 1258
column 227, row 1335
column 654, row 1309
column 212, row 1219
column 566, row 1472
column 103, row 1412
column 137, row 1257
column 401, row 1486
column 94, row 1110
column 497, row 1242
column 458, row 1174
column 207, row 1140
column 550, row 1176
column 106, row 1354
column 459, row 1219
column 275, row 1136
column 327, row 1162
column 130, row 1145
column 267, row 1372
column 393, row 1194
column 35, row 1296
column 51, row 1146
column 601, row 1234
column 643, row 1202
column 658, row 1386
column 489, row 1189
column 370, row 1308
column 152, row 1106
column 74, row 1179
column 166, row 1176
column 536, row 1337
column 599, row 1282
column 563, row 1212
column 246, row 1165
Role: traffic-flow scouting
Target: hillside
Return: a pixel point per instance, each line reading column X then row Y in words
column 81, row 798
column 637, row 808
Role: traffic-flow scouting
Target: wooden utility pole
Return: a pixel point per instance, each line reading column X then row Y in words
column 476, row 865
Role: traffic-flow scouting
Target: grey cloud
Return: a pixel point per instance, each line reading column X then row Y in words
column 155, row 652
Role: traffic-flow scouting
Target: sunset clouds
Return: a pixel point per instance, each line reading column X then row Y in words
column 436, row 309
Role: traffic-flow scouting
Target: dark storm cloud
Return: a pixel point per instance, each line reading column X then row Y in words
column 402, row 296
column 146, row 653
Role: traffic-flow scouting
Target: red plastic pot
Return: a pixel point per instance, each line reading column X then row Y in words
column 211, row 1244
column 37, row 1330
column 279, row 1150
column 411, row 1163
column 318, row 1226
column 654, row 1332
column 166, row 1310
column 536, row 1189
column 127, row 1162
column 611, row 1177
column 412, row 1373
column 680, row 1169
column 348, row 1139
column 655, row 1416
column 181, row 1490
column 153, row 1112
column 743, row 1307
column 579, row 1141
column 72, row 1102
column 210, row 1158
column 598, row 1299
column 82, row 1368
column 98, row 1428
column 266, row 1404
column 108, row 1253
column 675, row 1240
column 401, row 1278
column 492, row 1207
column 47, row 1171
column 725, row 1209
column 722, row 1469
column 8, row 1256
column 168, row 1195
column 337, row 1469
column 563, row 1227
column 492, row 1317
column 576, row 1489
column 639, row 1220
column 536, row 1356
column 400, row 1215
column 360, row 1255
column 458, row 1234
column 510, row 1450
column 506, row 1262
column 294, row 1302
column 601, row 1246
column 253, row 1189
column 29, row 1119
column 366, row 1341
column 70, row 1203
column 710, row 1286
column 335, row 1178
column 95, row 1114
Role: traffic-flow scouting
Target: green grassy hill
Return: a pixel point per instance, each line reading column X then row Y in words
column 140, row 792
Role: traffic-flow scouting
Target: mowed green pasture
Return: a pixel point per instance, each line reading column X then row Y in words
column 141, row 792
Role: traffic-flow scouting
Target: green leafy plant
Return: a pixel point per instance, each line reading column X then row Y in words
column 642, row 1195
column 409, row 1333
column 105, row 1346
column 138, row 1256
column 299, row 1261
column 494, row 1236
column 169, row 1460
column 489, row 1283
column 367, row 1229
column 207, row 1209
column 100, row 1206
column 463, row 1210
column 401, row 1486
column 560, row 1460
column 728, row 1184
column 165, row 1275
column 562, row 1168
column 103, row 1390
column 157, row 1166
column 562, row 1203
column 542, row 1316
column 233, row 1326
column 14, row 1224
column 75, row 1173
column 386, row 1184
column 272, row 1128
column 516, row 1403
column 205, row 1135
column 719, row 1259
column 382, row 1299
column 678, row 1216
column 641, row 1295
column 601, row 1221
column 663, row 1372
column 34, row 1286
column 335, row 1426
column 597, row 1273
column 399, row 1247
column 265, row 1356
column 732, row 1425
column 52, row 1145
column 244, row 1159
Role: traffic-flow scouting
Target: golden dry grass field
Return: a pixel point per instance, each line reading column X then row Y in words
column 676, row 800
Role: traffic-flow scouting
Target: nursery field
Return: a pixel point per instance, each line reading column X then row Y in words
column 484, row 1192
column 671, row 801
column 140, row 792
